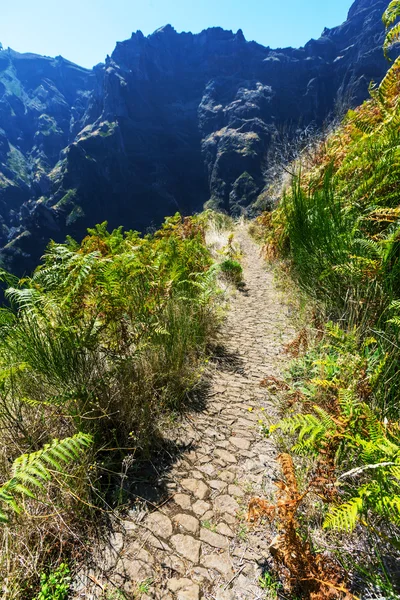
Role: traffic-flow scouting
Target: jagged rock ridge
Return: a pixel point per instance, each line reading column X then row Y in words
column 166, row 123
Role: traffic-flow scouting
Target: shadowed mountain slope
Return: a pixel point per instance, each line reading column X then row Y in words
column 168, row 122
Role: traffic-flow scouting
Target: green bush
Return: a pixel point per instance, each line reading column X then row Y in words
column 232, row 271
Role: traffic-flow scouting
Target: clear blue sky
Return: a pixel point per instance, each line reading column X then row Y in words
column 85, row 31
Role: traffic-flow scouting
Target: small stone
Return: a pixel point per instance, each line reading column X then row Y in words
column 225, row 455
column 243, row 433
column 222, row 444
column 246, row 584
column 241, row 443
column 156, row 542
column 251, row 466
column 208, row 469
column 213, row 539
column 190, row 593
column 183, row 500
column 218, row 406
column 226, row 504
column 129, row 526
column 218, row 389
column 207, row 449
column 227, row 476
column 182, row 464
column 200, row 507
column 235, row 490
column 219, row 562
column 245, row 423
column 215, row 484
column 174, row 563
column 208, row 516
column 199, row 575
column 197, row 474
column 251, row 416
column 116, row 542
column 247, row 454
column 159, row 524
column 223, row 594
column 223, row 529
column 187, row 522
column 135, row 570
column 214, row 434
column 192, row 456
column 137, row 552
column 230, row 519
column 197, row 487
column 174, row 585
column 247, row 554
column 187, row 547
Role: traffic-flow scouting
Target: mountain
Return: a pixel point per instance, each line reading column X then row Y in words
column 168, row 122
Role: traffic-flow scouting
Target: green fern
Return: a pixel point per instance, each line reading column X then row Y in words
column 311, row 430
column 378, row 496
column 389, row 18
column 345, row 516
column 31, row 471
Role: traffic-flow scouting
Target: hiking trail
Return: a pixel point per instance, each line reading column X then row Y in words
column 196, row 544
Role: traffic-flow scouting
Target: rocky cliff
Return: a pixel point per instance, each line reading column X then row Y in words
column 168, row 122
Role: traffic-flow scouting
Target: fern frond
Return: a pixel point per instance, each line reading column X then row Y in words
column 289, row 472
column 370, row 246
column 389, row 507
column 31, row 471
column 299, row 421
column 326, row 420
column 348, row 402
column 311, row 429
column 392, row 37
column 391, row 14
column 394, row 321
column 25, row 298
column 344, row 517
column 323, row 383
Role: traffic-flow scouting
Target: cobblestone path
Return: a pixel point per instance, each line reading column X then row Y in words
column 198, row 545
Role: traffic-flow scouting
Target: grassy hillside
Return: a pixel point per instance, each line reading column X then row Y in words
column 336, row 230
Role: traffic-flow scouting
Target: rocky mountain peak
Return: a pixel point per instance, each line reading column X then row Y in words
column 363, row 5
column 168, row 122
column 166, row 30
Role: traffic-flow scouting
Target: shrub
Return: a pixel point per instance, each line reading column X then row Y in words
column 232, row 271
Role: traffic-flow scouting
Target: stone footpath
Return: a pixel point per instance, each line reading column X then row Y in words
column 198, row 544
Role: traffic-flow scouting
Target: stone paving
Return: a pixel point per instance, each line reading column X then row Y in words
column 198, row 545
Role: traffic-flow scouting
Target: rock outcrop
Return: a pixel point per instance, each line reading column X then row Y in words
column 168, row 122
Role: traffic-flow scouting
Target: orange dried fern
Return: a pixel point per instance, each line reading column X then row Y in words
column 274, row 384
column 298, row 345
column 314, row 576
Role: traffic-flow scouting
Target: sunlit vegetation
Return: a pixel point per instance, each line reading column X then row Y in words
column 336, row 231
column 97, row 350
